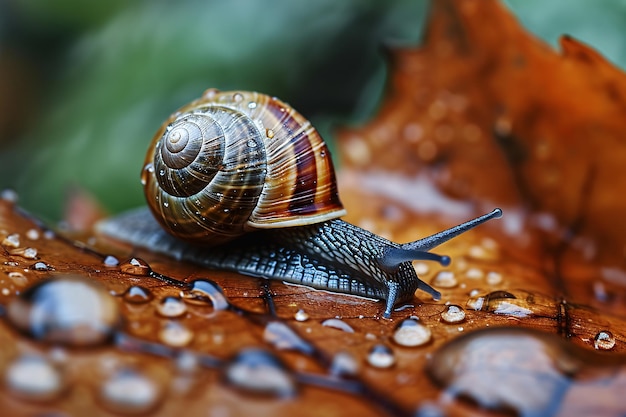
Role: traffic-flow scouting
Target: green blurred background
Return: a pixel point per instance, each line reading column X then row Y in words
column 84, row 85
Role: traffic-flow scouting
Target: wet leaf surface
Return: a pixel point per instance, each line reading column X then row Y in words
column 532, row 314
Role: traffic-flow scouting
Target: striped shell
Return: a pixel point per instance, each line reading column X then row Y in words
column 231, row 162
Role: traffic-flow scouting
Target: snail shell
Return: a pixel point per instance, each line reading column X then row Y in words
column 232, row 162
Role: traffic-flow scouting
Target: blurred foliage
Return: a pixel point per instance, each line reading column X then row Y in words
column 83, row 89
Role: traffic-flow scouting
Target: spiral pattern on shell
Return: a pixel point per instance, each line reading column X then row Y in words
column 231, row 162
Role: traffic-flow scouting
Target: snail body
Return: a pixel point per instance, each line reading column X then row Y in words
column 232, row 163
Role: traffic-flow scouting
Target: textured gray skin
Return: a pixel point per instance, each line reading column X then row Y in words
column 333, row 255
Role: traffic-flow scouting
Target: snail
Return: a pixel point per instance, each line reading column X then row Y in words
column 241, row 181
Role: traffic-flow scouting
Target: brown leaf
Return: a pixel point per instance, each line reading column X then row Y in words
column 480, row 115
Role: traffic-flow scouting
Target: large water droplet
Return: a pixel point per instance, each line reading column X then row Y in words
column 129, row 391
column 381, row 356
column 33, row 378
column 67, row 310
column 528, row 372
column 411, row 333
column 260, row 372
column 517, row 303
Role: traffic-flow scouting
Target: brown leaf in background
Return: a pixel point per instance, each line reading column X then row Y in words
column 493, row 115
column 472, row 119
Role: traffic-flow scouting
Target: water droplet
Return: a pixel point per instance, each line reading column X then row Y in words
column 343, row 364
column 493, row 278
column 252, row 105
column 445, row 279
column 503, row 302
column 453, row 314
column 129, row 391
column 136, row 294
column 171, row 306
column 110, row 261
column 136, row 266
column 251, row 143
column 41, row 266
column 204, row 291
column 175, row 334
column 283, row 337
column 12, row 240
column 474, row 273
column 338, row 324
column 16, row 275
column 32, row 234
column 269, row 133
column 210, row 93
column 381, row 356
column 162, row 172
column 27, row 253
column 411, row 333
column 301, row 315
column 33, row 378
column 260, row 372
column 604, row 340
column 421, row 268
column 238, row 97
column 516, row 369
column 67, row 310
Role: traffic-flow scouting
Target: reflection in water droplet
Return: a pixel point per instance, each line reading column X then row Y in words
column 136, row 266
column 521, row 304
column 33, row 378
column 381, row 356
column 453, row 314
column 604, row 340
column 338, row 324
column 445, row 279
column 301, row 315
column 283, row 337
column 260, row 372
column 41, row 266
column 136, row 294
column 411, row 332
column 204, row 291
column 129, row 391
column 110, row 261
column 175, row 334
column 171, row 306
column 344, row 364
column 66, row 310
